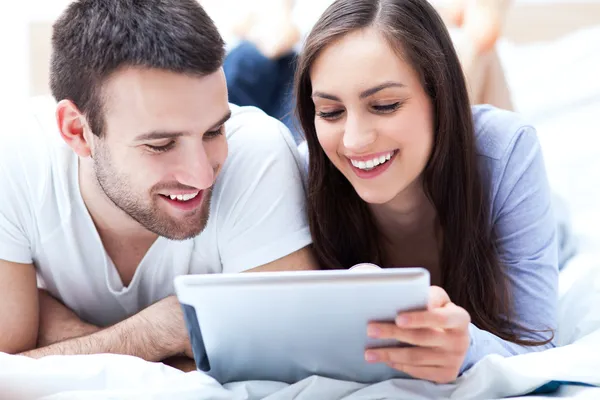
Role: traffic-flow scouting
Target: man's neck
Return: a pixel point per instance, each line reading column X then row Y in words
column 125, row 241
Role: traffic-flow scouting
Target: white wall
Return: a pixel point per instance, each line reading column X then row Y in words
column 14, row 83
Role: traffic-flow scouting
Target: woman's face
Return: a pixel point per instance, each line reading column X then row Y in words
column 372, row 116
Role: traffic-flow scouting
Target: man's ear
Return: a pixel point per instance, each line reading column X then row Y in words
column 73, row 126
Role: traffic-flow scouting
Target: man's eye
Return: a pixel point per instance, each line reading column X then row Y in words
column 161, row 149
column 215, row 133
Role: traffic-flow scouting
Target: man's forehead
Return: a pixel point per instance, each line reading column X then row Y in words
column 166, row 134
column 148, row 100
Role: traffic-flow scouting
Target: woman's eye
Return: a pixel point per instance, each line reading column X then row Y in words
column 387, row 108
column 330, row 115
column 160, row 149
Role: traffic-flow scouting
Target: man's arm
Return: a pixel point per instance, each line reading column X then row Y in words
column 154, row 334
column 299, row 260
column 18, row 307
column 58, row 322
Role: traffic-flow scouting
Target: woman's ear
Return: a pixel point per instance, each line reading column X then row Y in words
column 72, row 125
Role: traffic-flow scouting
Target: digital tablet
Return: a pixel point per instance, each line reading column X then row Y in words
column 287, row 326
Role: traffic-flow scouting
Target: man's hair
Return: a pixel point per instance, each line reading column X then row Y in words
column 94, row 38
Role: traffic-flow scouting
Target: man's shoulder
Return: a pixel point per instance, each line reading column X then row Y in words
column 36, row 133
column 259, row 196
column 33, row 153
column 254, row 125
column 262, row 156
column 252, row 134
column 34, row 181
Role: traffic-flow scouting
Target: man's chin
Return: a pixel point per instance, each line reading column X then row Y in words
column 183, row 230
column 182, row 227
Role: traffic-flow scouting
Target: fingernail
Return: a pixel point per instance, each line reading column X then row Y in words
column 401, row 320
column 371, row 357
column 373, row 331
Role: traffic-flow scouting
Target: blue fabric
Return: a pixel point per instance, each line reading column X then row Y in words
column 553, row 386
column 523, row 217
column 255, row 80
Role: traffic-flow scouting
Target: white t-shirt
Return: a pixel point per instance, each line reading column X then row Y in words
column 257, row 216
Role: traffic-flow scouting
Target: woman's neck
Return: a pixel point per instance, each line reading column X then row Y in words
column 409, row 213
column 411, row 236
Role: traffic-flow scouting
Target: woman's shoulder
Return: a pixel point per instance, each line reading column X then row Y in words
column 509, row 155
column 501, row 134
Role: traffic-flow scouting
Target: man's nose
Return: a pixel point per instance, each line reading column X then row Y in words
column 196, row 169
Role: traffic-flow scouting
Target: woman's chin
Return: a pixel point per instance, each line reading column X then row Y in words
column 371, row 196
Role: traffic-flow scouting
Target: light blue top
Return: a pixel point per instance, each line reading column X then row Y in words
column 512, row 167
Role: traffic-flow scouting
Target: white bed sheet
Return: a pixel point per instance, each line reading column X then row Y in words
column 567, row 122
column 123, row 377
column 556, row 85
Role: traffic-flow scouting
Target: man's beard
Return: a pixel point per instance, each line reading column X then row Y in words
column 147, row 213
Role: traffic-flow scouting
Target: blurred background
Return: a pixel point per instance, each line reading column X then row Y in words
column 548, row 53
column 25, row 28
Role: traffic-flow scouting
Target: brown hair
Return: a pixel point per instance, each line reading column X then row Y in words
column 343, row 229
column 94, row 38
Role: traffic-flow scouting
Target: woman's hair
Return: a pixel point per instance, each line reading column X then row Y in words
column 344, row 231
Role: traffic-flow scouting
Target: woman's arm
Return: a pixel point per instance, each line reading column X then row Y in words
column 525, row 227
column 446, row 343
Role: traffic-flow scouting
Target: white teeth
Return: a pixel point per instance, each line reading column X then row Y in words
column 183, row 197
column 370, row 164
column 187, row 197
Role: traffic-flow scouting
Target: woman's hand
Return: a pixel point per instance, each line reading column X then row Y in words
column 440, row 334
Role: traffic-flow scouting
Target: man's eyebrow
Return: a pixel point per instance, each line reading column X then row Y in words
column 156, row 135
column 221, row 121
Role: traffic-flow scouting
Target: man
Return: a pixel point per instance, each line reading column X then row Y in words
column 143, row 173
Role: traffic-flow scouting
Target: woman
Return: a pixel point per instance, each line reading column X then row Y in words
column 403, row 172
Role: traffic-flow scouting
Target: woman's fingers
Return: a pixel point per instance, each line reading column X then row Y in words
column 417, row 356
column 437, row 298
column 424, row 337
column 447, row 317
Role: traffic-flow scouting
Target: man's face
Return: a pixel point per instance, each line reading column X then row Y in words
column 162, row 147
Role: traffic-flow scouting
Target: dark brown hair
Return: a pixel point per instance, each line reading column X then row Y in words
column 94, row 38
column 343, row 229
